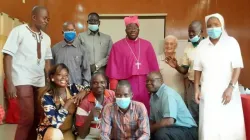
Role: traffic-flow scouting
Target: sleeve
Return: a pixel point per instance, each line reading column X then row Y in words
column 236, row 61
column 48, row 54
column 144, row 131
column 185, row 60
column 82, row 113
column 85, row 67
column 53, row 61
column 12, row 42
column 103, row 61
column 152, row 60
column 197, row 61
column 169, row 107
column 54, row 116
column 106, row 123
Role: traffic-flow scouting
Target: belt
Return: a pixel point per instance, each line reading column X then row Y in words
column 95, row 125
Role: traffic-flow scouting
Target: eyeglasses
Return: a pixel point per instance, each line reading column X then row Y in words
column 132, row 29
column 153, row 80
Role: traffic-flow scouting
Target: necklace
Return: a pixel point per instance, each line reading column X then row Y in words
column 137, row 59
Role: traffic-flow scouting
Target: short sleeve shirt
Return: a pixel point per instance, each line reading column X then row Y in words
column 167, row 103
column 22, row 46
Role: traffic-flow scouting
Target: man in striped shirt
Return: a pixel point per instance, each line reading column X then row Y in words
column 125, row 119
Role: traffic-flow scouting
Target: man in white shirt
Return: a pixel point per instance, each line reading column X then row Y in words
column 26, row 56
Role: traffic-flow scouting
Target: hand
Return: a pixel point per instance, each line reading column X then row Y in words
column 171, row 62
column 78, row 98
column 68, row 103
column 227, row 95
column 11, row 90
column 96, row 111
column 197, row 96
column 93, row 68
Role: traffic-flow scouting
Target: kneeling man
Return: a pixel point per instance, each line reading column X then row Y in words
column 169, row 116
column 124, row 119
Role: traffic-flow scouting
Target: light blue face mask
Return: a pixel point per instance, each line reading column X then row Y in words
column 123, row 102
column 195, row 39
column 93, row 27
column 214, row 33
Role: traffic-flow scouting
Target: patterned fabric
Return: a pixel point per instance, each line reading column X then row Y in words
column 55, row 116
column 134, row 124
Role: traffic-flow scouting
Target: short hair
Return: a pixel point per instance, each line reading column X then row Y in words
column 124, row 83
column 94, row 13
column 196, row 23
column 171, row 37
column 68, row 23
column 157, row 73
column 96, row 74
column 37, row 9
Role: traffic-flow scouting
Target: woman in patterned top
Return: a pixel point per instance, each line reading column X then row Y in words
column 58, row 102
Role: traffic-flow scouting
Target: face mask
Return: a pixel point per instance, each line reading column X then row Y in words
column 123, row 102
column 69, row 35
column 195, row 39
column 214, row 33
column 93, row 27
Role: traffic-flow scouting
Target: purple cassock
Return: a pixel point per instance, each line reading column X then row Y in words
column 132, row 60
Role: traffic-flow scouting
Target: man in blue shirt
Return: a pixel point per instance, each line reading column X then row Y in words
column 169, row 116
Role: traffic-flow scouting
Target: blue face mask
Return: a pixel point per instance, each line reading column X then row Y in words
column 214, row 33
column 69, row 35
column 195, row 39
column 93, row 27
column 123, row 102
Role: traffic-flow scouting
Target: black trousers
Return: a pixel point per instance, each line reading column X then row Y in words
column 175, row 133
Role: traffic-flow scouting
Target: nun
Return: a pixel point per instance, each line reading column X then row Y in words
column 217, row 68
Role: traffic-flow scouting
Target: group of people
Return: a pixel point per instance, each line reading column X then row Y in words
column 86, row 87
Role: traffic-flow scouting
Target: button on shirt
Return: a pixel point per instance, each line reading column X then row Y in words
column 133, row 125
column 22, row 46
column 75, row 57
column 166, row 103
column 98, row 46
column 188, row 59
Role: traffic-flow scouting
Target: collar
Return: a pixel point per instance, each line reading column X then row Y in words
column 92, row 33
column 91, row 97
column 195, row 44
column 159, row 92
column 132, row 41
column 64, row 44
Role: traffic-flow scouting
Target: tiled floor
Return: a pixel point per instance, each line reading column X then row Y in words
column 7, row 131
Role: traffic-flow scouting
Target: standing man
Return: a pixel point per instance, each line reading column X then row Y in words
column 70, row 52
column 98, row 44
column 186, row 67
column 132, row 58
column 26, row 54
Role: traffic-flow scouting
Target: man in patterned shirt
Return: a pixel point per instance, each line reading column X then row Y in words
column 125, row 119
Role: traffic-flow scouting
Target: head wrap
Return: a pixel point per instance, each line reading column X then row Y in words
column 220, row 18
column 131, row 19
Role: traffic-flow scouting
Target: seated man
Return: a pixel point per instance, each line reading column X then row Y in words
column 124, row 119
column 169, row 116
column 89, row 110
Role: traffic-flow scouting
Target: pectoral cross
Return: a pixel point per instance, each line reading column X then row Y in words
column 138, row 64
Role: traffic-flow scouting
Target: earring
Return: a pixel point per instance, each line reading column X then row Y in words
column 52, row 80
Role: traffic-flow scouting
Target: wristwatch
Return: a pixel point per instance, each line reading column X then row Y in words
column 232, row 85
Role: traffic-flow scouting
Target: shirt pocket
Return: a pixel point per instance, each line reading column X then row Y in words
column 105, row 45
column 78, row 60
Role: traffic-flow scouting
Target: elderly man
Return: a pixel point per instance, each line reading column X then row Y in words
column 88, row 112
column 132, row 58
column 70, row 52
column 124, row 119
column 169, row 116
column 27, row 54
column 186, row 67
column 98, row 44
column 171, row 77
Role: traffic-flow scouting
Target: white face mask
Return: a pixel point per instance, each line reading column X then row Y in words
column 93, row 27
